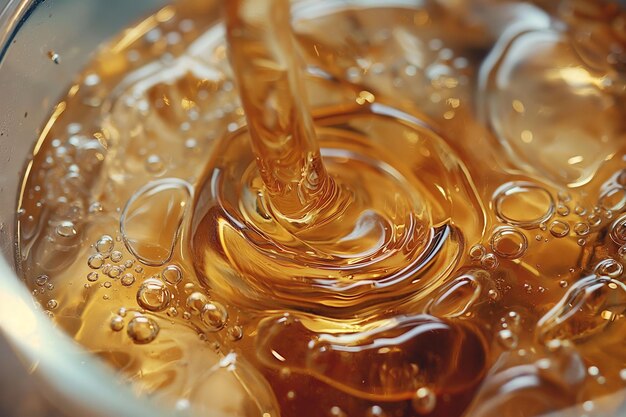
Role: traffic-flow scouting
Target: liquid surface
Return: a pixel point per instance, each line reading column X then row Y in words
column 472, row 259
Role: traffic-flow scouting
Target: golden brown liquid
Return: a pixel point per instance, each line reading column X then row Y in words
column 446, row 237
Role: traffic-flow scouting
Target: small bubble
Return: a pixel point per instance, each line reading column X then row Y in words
column 618, row 230
column 581, row 242
column 116, row 256
column 581, row 229
column 129, row 263
column 187, row 315
column 476, row 252
column 115, row 271
column 610, row 268
column 172, row 275
column 523, row 204
column 95, row 261
column 564, row 196
column 52, row 304
column 375, row 411
column 489, row 261
column 507, row 339
column 562, row 210
column 142, row 330
column 580, row 210
column 107, row 284
column 117, row 323
column 622, row 374
column 559, row 229
column 235, row 333
column 214, row 315
column 153, row 295
column 172, row 312
column 594, row 220
column 139, row 269
column 105, row 245
column 54, row 57
column 621, row 253
column 42, row 280
column 127, row 279
column 509, row 243
column 66, row 229
column 122, row 312
column 154, row 164
column 563, row 284
column 424, row 401
column 95, row 207
column 196, row 302
column 593, row 371
column 493, row 294
column 336, row 412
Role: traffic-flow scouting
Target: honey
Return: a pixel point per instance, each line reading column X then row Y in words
column 397, row 210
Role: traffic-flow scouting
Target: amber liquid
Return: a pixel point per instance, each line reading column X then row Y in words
column 413, row 227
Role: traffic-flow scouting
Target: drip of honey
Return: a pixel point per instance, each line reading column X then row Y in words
column 396, row 210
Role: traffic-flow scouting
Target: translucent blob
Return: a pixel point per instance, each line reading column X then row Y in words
column 390, row 360
column 618, row 230
column 457, row 297
column 592, row 307
column 523, row 204
column 151, row 220
column 534, row 389
column 552, row 132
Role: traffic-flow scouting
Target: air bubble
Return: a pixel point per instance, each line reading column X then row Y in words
column 375, row 411
column 618, row 230
column 52, row 304
column 562, row 210
column 117, row 323
column 196, row 301
column 613, row 199
column 107, row 284
column 476, row 252
column 424, row 401
column 127, row 279
column 507, row 339
column 509, row 243
column 489, row 261
column 153, row 295
column 609, row 268
column 95, row 261
column 105, row 245
column 116, row 256
column 142, row 330
column 66, row 229
column 214, row 315
column 114, row 271
column 152, row 218
column 172, row 275
column 92, row 276
column 154, row 164
column 523, row 204
column 594, row 220
column 582, row 229
column 235, row 333
column 559, row 229
column 42, row 280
